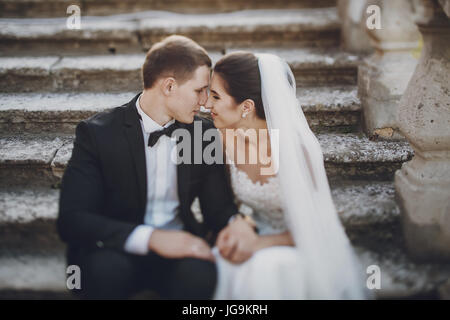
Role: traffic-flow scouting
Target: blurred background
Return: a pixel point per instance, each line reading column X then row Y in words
column 373, row 82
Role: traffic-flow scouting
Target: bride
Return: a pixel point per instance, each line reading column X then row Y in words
column 300, row 250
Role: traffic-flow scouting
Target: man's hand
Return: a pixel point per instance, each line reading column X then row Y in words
column 179, row 244
column 238, row 241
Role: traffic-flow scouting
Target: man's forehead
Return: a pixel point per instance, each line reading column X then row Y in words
column 204, row 70
column 201, row 77
column 204, row 81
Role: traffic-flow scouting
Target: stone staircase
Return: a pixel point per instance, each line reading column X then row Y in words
column 51, row 78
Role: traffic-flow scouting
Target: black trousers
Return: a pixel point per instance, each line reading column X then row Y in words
column 110, row 274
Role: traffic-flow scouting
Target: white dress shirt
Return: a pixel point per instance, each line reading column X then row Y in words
column 162, row 187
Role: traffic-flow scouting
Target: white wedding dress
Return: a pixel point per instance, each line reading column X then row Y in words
column 271, row 273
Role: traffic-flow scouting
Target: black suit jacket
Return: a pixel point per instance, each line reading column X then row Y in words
column 104, row 188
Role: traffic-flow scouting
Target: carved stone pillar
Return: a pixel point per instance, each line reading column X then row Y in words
column 353, row 26
column 384, row 76
column 423, row 184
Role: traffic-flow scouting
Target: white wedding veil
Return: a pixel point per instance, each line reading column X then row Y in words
column 332, row 270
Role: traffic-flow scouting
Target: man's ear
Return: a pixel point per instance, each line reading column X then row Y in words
column 168, row 85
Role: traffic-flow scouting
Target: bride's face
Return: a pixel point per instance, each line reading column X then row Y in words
column 225, row 112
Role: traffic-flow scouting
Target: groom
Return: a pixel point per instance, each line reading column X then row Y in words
column 124, row 207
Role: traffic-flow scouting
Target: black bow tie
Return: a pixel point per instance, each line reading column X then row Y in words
column 155, row 135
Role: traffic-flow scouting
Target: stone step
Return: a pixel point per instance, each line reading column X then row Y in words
column 316, row 66
column 402, row 277
column 330, row 109
column 27, row 159
column 28, row 219
column 33, row 275
column 135, row 33
column 367, row 210
column 355, row 156
column 41, row 159
column 43, row 275
column 58, row 8
column 326, row 109
column 122, row 73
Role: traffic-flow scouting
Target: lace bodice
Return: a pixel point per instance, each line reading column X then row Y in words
column 261, row 201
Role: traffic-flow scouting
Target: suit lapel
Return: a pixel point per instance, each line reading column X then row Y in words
column 183, row 173
column 133, row 133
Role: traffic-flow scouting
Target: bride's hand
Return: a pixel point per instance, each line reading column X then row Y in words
column 238, row 241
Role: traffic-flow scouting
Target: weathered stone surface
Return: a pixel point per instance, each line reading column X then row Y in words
column 27, row 205
column 93, row 28
column 23, row 150
column 354, row 37
column 382, row 80
column 61, row 159
column 42, row 275
column 335, row 109
column 401, row 277
column 60, row 112
column 25, row 74
column 326, row 109
column 423, row 184
column 328, row 99
column 318, row 66
column 81, row 73
column 119, row 73
column 27, row 158
column 35, row 8
column 27, row 271
column 358, row 148
column 376, row 202
column 27, row 218
column 90, row 73
column 57, row 8
column 384, row 76
column 356, row 156
column 137, row 32
column 309, row 58
column 33, row 272
column 308, row 27
column 98, row 73
column 367, row 211
column 346, row 156
column 52, row 37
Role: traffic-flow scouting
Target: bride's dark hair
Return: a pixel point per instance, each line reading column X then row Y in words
column 240, row 72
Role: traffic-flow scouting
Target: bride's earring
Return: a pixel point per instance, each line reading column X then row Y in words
column 244, row 115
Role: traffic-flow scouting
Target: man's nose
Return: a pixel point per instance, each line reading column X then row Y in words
column 208, row 104
column 204, row 98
